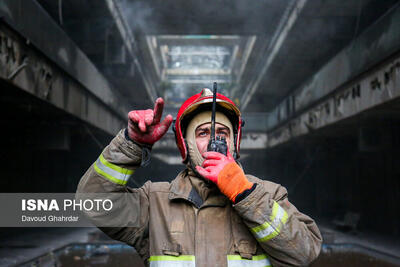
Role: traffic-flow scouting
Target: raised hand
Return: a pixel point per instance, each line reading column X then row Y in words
column 144, row 126
column 225, row 173
column 213, row 164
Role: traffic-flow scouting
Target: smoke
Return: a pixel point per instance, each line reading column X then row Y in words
column 202, row 17
column 220, row 17
column 138, row 14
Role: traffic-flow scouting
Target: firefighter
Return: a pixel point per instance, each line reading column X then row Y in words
column 211, row 214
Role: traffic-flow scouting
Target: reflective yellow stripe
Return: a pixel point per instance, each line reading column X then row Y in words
column 111, row 171
column 269, row 230
column 172, row 258
column 265, row 225
column 256, row 261
column 172, row 261
column 259, row 257
column 270, row 236
column 115, row 167
column 275, row 209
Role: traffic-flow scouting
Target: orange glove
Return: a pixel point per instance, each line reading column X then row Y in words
column 225, row 173
column 144, row 126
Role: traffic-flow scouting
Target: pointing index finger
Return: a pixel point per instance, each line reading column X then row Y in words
column 158, row 110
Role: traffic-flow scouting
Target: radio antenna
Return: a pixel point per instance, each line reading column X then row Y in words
column 214, row 104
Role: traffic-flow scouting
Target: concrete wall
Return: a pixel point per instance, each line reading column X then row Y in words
column 328, row 177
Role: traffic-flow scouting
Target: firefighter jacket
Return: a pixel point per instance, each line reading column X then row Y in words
column 188, row 222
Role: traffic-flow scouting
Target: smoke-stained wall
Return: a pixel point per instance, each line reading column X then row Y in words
column 43, row 149
column 331, row 177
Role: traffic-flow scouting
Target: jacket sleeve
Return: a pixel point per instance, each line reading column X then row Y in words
column 288, row 236
column 109, row 175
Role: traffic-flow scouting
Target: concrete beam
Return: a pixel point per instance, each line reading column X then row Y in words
column 130, row 44
column 255, row 122
column 376, row 87
column 26, row 68
column 378, row 42
column 31, row 21
column 286, row 23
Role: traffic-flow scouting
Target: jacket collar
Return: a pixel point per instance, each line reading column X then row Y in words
column 186, row 186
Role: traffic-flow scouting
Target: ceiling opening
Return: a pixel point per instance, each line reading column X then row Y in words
column 185, row 63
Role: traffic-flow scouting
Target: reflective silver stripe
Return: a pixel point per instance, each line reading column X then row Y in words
column 120, row 177
column 269, row 230
column 256, row 261
column 172, row 261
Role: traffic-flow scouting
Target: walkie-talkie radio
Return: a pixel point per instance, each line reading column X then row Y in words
column 217, row 143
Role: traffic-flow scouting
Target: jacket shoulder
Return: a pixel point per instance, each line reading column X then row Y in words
column 159, row 187
column 278, row 191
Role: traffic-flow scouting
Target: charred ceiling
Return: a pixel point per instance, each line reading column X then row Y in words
column 259, row 51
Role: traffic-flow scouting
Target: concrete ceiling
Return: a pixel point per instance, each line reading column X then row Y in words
column 290, row 39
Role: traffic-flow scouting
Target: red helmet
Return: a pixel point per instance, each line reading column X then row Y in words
column 193, row 103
